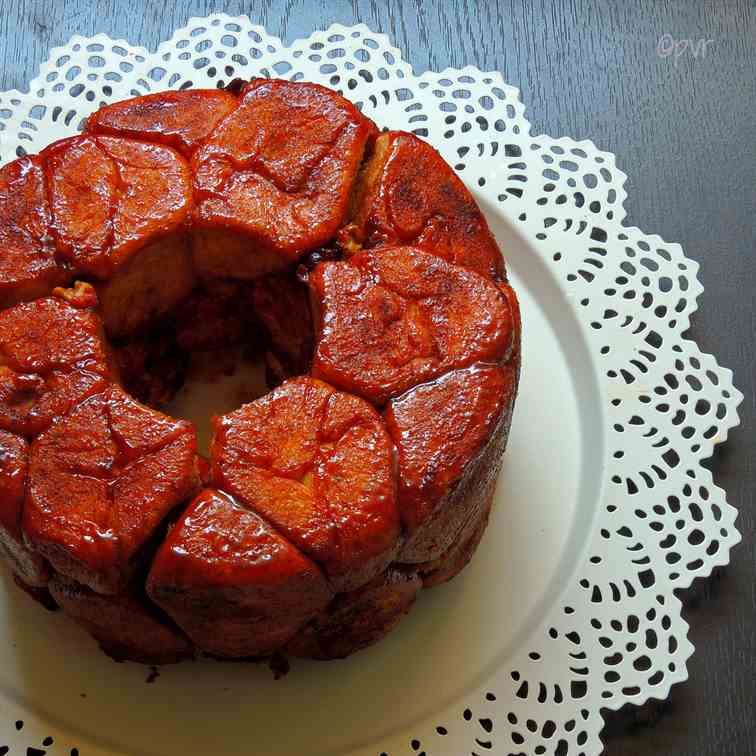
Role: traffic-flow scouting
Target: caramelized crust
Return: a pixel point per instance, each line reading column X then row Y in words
column 119, row 208
column 359, row 618
column 441, row 429
column 124, row 626
column 101, row 480
column 182, row 120
column 82, row 184
column 407, row 194
column 325, row 518
column 279, row 168
column 110, row 196
column 395, row 317
column 514, row 310
column 14, row 453
column 153, row 194
column 318, row 464
column 52, row 355
column 28, row 566
column 235, row 587
column 28, row 268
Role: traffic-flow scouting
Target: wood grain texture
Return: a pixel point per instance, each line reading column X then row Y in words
column 684, row 132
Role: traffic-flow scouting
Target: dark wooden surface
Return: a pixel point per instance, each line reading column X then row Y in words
column 684, row 131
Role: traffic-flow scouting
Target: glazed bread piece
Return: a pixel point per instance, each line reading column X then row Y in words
column 329, row 494
column 102, row 479
column 103, row 207
column 358, row 619
column 318, row 465
column 124, row 626
column 273, row 180
column 390, row 318
column 231, row 582
column 272, row 172
column 182, row 120
column 408, row 195
column 452, row 476
column 30, row 568
column 28, row 267
column 119, row 209
column 109, row 196
column 449, row 435
column 52, row 355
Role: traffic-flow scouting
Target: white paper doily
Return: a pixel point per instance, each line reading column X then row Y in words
column 649, row 408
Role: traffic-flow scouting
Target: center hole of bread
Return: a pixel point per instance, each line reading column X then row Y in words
column 217, row 382
column 226, row 344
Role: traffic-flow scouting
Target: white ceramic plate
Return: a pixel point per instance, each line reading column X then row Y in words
column 568, row 604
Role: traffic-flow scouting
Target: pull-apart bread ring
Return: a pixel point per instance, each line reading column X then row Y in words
column 269, row 220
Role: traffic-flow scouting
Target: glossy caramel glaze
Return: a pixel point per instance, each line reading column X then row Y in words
column 271, row 219
column 31, row 568
column 281, row 166
column 231, row 582
column 52, row 355
column 14, row 454
column 28, row 267
column 440, row 430
column 395, row 317
column 182, row 120
column 101, row 480
column 318, row 464
column 271, row 170
column 409, row 195
column 110, row 196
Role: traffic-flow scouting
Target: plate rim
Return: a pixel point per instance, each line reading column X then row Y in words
column 499, row 180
